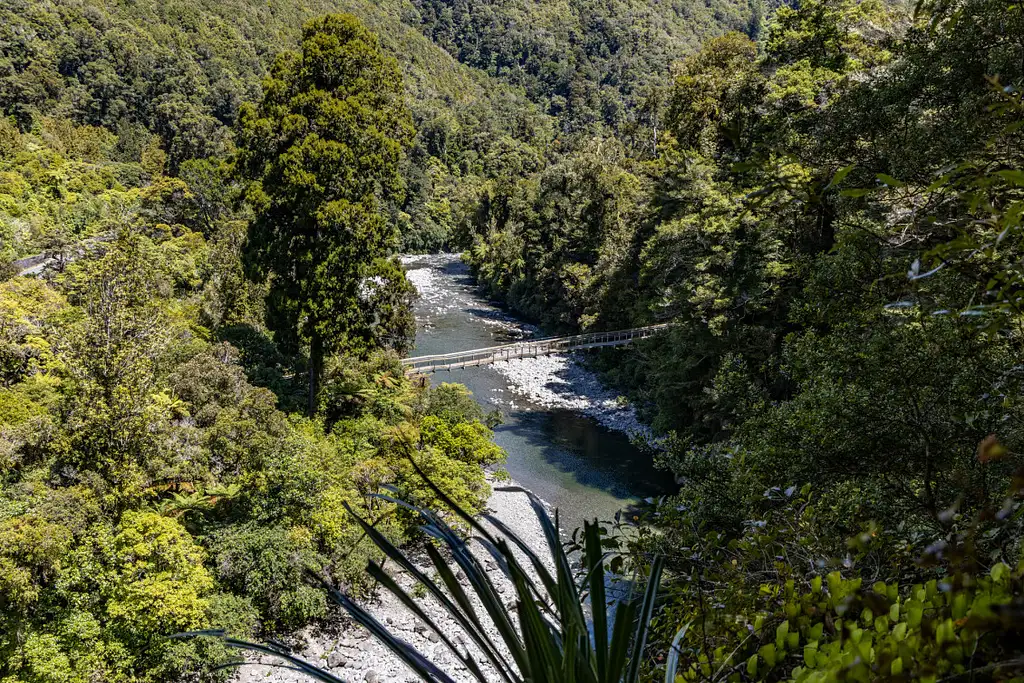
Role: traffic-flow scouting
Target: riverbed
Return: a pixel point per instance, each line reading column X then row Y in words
column 567, row 436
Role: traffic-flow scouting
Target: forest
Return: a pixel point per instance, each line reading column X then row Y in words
column 201, row 396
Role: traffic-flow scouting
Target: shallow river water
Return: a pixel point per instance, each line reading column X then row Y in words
column 567, row 458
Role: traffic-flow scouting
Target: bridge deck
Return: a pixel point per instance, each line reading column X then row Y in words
column 530, row 348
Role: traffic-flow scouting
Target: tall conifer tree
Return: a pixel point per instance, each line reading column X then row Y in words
column 323, row 150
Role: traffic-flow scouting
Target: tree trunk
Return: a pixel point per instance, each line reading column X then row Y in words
column 316, row 368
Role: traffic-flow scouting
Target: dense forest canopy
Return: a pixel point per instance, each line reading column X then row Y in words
column 832, row 225
column 594, row 64
column 159, row 474
column 824, row 199
column 175, row 74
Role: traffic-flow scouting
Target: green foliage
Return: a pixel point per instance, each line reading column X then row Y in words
column 112, row 408
column 26, row 306
column 707, row 89
column 83, row 599
column 796, row 183
column 59, row 184
column 96, row 101
column 551, row 245
column 767, row 199
column 771, row 603
column 104, row 98
column 160, row 576
column 267, row 566
column 796, row 331
column 986, row 193
column 589, row 63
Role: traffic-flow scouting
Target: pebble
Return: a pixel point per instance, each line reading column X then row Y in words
column 546, row 381
column 562, row 382
column 438, row 295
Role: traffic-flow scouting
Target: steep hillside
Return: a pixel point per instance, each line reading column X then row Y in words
column 591, row 62
column 180, row 70
column 183, row 67
column 490, row 84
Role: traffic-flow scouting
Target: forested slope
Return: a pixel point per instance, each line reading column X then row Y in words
column 829, row 216
column 159, row 468
column 172, row 75
column 180, row 70
column 593, row 63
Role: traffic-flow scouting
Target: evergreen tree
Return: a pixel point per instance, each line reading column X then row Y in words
column 324, row 149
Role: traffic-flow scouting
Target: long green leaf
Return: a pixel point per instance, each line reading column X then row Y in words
column 598, row 608
column 570, row 607
column 482, row 586
column 473, row 630
column 619, row 646
column 423, row 667
column 303, row 666
column 478, row 634
column 672, row 665
column 544, row 656
column 482, row 640
column 644, row 619
column 538, row 565
column 492, row 603
column 502, row 562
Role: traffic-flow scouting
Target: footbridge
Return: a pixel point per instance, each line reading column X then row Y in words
column 530, row 348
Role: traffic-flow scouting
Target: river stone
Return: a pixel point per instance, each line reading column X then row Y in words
column 371, row 677
column 433, row 637
column 336, row 660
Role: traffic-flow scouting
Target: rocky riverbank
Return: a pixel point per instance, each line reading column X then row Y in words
column 444, row 284
column 451, row 309
column 563, row 382
column 348, row 651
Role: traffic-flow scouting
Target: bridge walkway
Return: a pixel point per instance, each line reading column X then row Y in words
column 530, row 348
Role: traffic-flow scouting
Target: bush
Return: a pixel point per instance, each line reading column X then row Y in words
column 268, row 567
column 785, row 599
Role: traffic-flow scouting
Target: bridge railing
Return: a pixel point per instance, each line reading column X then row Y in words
column 527, row 349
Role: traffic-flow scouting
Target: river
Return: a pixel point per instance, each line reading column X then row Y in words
column 566, row 457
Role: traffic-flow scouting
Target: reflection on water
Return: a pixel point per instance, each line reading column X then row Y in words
column 569, row 460
column 593, row 456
